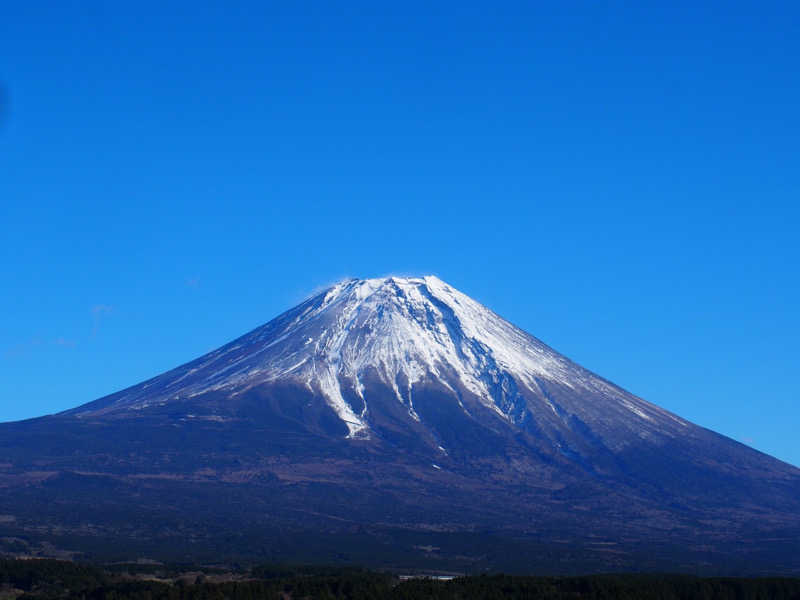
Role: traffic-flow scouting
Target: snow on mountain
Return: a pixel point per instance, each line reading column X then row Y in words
column 405, row 330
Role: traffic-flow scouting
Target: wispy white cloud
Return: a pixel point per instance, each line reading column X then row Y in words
column 22, row 348
column 99, row 312
column 318, row 289
column 102, row 309
column 35, row 344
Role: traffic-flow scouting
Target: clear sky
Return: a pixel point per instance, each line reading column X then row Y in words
column 619, row 179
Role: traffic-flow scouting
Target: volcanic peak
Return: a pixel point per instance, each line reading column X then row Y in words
column 402, row 331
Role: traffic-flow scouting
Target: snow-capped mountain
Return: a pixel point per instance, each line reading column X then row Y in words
column 395, row 421
column 404, row 333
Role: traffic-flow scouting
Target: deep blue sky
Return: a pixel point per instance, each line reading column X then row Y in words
column 622, row 181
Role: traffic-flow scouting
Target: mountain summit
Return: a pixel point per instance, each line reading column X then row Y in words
column 396, row 421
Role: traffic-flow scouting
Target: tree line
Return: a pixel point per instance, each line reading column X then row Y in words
column 61, row 580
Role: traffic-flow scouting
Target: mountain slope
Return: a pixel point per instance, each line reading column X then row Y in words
column 403, row 414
